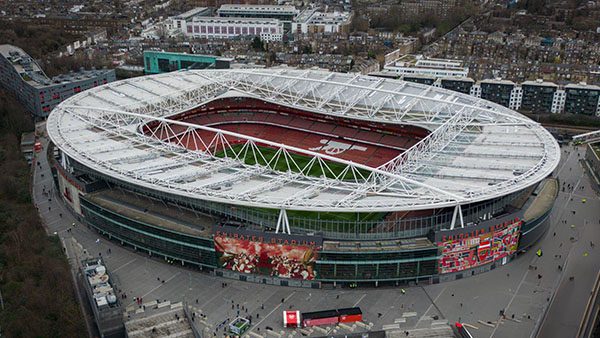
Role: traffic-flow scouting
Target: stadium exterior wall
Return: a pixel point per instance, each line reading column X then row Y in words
column 533, row 230
column 333, row 267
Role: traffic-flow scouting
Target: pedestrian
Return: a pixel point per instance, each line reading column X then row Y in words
column 60, row 214
column 49, row 208
column 282, row 300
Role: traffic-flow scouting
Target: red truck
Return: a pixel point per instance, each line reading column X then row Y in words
column 327, row 317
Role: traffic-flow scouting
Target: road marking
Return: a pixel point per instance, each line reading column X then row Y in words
column 435, row 300
column 430, row 305
column 154, row 289
column 511, row 300
column 270, row 313
column 358, row 301
column 213, row 298
column 565, row 163
column 124, row 265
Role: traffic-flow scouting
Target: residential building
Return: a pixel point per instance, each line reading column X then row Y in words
column 530, row 96
column 433, row 7
column 461, row 85
column 38, row 93
column 161, row 62
column 498, row 91
column 582, row 99
column 420, row 65
column 538, row 96
column 313, row 21
column 423, row 79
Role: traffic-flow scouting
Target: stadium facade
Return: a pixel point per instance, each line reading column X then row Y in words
column 298, row 177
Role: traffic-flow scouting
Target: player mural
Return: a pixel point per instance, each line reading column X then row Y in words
column 481, row 246
column 284, row 256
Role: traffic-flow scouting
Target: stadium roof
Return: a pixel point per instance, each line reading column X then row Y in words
column 476, row 150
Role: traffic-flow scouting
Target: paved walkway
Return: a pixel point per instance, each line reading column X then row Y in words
column 476, row 300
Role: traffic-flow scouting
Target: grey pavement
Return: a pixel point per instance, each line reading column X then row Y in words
column 475, row 301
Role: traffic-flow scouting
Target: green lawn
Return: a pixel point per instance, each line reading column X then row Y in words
column 281, row 164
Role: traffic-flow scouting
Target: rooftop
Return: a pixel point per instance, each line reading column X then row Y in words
column 316, row 17
column 582, row 85
column 257, row 8
column 234, row 19
column 33, row 74
column 539, row 82
column 498, row 81
column 420, row 61
column 100, row 283
column 191, row 13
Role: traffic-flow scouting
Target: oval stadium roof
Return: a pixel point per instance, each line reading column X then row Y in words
column 476, row 150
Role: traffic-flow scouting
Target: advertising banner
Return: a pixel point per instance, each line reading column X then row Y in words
column 266, row 253
column 462, row 250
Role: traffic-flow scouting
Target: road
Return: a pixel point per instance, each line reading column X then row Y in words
column 476, row 300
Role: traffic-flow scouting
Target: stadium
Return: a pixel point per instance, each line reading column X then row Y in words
column 305, row 177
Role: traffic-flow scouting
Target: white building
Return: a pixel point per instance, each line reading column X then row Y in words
column 218, row 27
column 558, row 103
column 420, row 65
column 281, row 12
column 313, row 21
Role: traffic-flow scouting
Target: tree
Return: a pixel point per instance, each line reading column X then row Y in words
column 257, row 44
column 307, row 49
